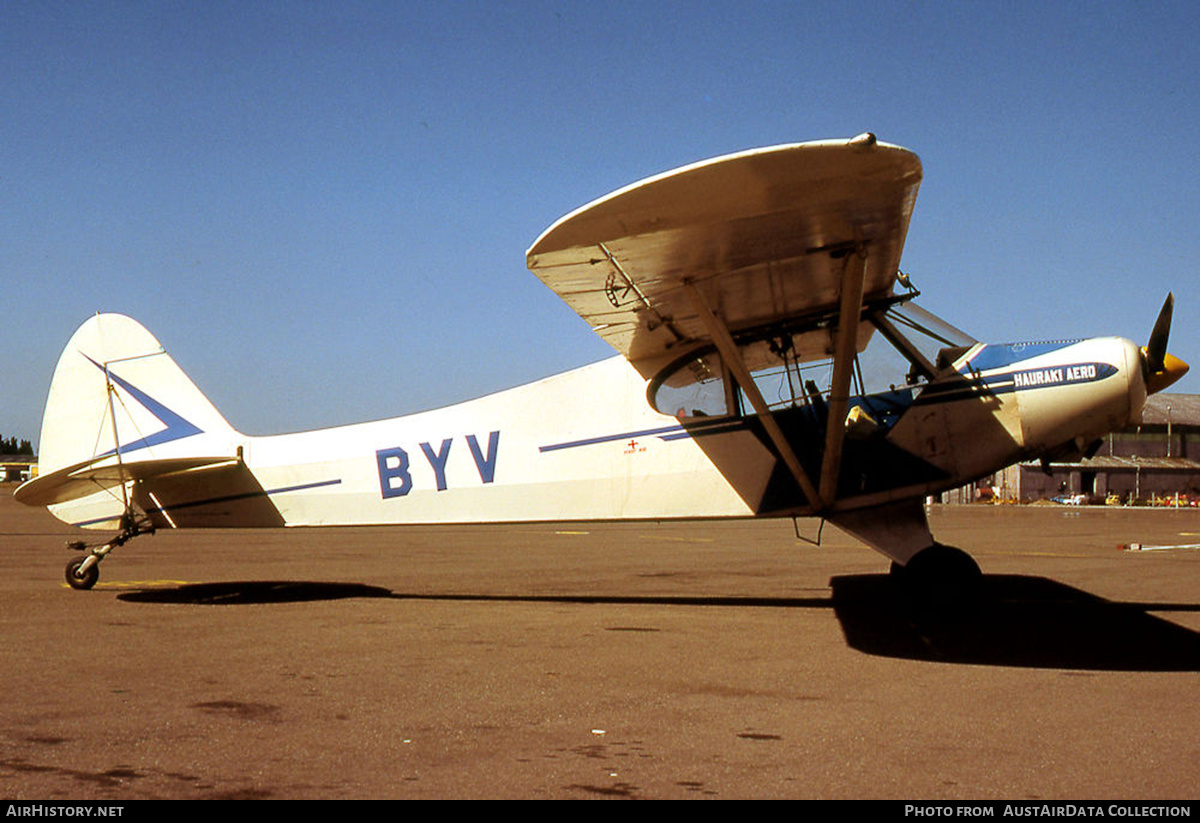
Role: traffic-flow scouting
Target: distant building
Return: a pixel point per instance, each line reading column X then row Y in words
column 17, row 467
column 1156, row 459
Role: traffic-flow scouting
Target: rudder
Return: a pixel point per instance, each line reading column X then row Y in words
column 153, row 410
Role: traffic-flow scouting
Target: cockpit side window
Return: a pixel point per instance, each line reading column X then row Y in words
column 793, row 368
column 697, row 387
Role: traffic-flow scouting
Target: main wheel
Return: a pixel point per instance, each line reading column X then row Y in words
column 941, row 581
column 87, row 579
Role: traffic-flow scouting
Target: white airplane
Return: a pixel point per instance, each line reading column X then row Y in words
column 752, row 298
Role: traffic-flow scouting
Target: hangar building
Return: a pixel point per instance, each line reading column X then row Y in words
column 1155, row 461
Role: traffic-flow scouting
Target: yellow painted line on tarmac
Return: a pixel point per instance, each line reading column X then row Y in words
column 571, row 532
column 678, row 539
column 1040, row 554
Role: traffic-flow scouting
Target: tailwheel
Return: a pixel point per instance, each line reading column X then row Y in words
column 83, row 572
column 82, row 575
column 940, row 581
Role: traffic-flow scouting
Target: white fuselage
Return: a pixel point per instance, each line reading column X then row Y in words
column 586, row 445
column 580, row 445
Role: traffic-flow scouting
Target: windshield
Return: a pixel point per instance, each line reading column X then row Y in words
column 936, row 340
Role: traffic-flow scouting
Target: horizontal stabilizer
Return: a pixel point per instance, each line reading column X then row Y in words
column 91, row 476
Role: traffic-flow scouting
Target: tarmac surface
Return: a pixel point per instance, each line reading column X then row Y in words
column 637, row 660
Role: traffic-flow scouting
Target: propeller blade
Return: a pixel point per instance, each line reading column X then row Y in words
column 1156, row 349
column 1160, row 368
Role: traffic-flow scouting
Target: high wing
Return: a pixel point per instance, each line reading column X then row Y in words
column 763, row 235
column 762, row 255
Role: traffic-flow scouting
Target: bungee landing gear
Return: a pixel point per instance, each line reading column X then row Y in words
column 83, row 572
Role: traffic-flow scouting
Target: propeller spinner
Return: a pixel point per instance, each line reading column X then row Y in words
column 1160, row 368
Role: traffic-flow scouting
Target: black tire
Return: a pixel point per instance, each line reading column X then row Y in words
column 941, row 581
column 84, row 581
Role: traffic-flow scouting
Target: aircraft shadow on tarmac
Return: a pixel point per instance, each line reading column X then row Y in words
column 247, row 592
column 1019, row 621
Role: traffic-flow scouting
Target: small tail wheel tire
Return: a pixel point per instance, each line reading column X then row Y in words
column 84, row 580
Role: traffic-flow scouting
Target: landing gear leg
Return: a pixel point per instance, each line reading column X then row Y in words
column 83, row 572
column 940, row 581
column 937, row 580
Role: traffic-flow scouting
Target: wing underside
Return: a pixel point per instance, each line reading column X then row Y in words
column 762, row 236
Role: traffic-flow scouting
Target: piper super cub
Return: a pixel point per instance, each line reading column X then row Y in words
column 755, row 300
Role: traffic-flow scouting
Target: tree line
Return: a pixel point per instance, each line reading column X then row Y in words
column 10, row 445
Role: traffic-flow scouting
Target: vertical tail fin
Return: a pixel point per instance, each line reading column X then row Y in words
column 116, row 389
column 117, row 399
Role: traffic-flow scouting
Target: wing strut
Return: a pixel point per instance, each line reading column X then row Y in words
column 853, row 273
column 733, row 359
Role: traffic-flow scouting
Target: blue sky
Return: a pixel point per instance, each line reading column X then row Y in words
column 322, row 209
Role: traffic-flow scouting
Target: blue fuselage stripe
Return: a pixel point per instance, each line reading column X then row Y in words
column 608, row 438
